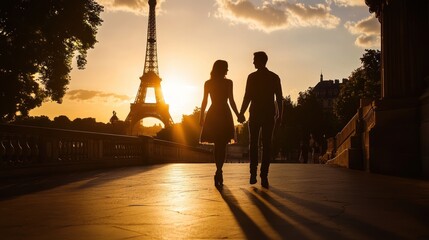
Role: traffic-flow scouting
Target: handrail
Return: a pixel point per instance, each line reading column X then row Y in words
column 347, row 131
column 27, row 146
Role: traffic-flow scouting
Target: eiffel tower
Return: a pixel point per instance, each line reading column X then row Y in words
column 150, row 79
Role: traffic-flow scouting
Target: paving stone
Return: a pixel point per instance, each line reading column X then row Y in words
column 179, row 201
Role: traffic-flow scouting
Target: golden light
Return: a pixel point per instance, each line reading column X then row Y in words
column 181, row 96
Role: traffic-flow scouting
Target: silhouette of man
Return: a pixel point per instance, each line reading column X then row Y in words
column 261, row 87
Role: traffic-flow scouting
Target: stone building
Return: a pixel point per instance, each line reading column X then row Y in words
column 327, row 92
column 391, row 135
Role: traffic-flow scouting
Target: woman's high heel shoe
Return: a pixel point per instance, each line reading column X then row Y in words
column 218, row 179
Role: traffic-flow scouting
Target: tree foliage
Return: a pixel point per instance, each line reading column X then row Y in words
column 38, row 40
column 191, row 127
column 286, row 135
column 313, row 119
column 187, row 132
column 363, row 83
column 80, row 124
column 310, row 111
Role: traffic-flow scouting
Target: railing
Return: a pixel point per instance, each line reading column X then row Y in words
column 160, row 151
column 343, row 138
column 368, row 116
column 27, row 148
column 352, row 143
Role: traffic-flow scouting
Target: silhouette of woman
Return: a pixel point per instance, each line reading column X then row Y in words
column 218, row 125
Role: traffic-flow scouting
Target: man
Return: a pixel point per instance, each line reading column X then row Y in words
column 261, row 87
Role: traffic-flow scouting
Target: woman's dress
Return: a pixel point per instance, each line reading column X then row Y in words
column 218, row 125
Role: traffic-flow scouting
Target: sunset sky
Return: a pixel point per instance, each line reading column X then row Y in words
column 301, row 38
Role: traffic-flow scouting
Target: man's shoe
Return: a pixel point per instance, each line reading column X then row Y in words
column 264, row 182
column 253, row 179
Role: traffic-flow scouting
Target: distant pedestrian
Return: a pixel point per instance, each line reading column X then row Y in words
column 314, row 148
column 218, row 125
column 303, row 155
column 263, row 88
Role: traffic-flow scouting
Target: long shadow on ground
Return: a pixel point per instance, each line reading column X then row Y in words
column 14, row 187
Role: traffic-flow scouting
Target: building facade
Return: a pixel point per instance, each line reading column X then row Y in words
column 327, row 92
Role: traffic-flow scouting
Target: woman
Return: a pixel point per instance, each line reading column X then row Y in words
column 218, row 126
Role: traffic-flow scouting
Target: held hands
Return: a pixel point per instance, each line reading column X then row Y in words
column 241, row 118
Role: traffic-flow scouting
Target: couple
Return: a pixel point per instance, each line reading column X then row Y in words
column 218, row 127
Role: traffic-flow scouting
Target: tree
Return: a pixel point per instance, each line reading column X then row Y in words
column 286, row 136
column 191, row 127
column 38, row 39
column 62, row 122
column 310, row 113
column 364, row 82
column 311, row 118
column 84, row 123
column 187, row 132
column 38, row 121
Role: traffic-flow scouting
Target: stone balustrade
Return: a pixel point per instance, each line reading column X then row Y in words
column 343, row 137
column 352, row 142
column 33, row 150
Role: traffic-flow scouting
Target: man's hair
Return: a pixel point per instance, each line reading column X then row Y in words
column 262, row 56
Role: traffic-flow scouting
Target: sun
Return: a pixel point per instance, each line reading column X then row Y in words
column 181, row 96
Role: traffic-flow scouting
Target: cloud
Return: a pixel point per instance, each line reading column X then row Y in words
column 274, row 15
column 318, row 15
column 88, row 95
column 134, row 6
column 367, row 31
column 349, row 3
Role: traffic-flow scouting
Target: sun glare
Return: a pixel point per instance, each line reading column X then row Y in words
column 180, row 96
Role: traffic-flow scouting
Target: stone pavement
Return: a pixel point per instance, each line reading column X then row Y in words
column 179, row 201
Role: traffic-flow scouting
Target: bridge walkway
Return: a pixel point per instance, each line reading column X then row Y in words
column 179, row 201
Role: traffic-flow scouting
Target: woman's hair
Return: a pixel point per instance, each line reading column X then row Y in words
column 219, row 69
